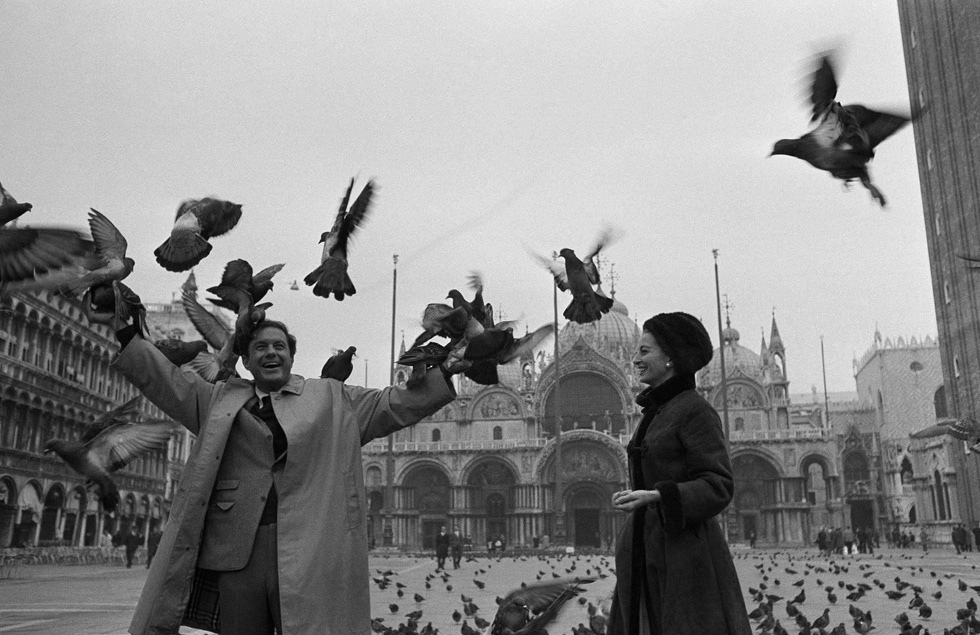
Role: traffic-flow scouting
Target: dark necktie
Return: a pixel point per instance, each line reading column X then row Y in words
column 262, row 409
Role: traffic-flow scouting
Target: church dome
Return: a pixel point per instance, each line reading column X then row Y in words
column 614, row 331
column 736, row 356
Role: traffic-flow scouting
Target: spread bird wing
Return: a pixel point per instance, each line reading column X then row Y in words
column 539, row 596
column 211, row 329
column 235, row 290
column 878, row 125
column 116, row 416
column 354, row 218
column 527, row 344
column 29, row 251
column 216, row 217
column 109, row 242
column 828, row 131
column 823, row 89
column 262, row 281
column 207, row 365
column 556, row 268
column 116, row 447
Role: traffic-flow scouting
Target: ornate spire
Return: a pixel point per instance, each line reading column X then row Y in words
column 775, row 342
column 401, row 350
column 764, row 350
column 190, row 285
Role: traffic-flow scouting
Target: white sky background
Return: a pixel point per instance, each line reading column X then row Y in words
column 486, row 126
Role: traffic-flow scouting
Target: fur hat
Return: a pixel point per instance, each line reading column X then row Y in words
column 684, row 340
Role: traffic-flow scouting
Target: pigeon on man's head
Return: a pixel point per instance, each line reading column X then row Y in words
column 845, row 137
column 235, row 293
column 331, row 277
column 197, row 220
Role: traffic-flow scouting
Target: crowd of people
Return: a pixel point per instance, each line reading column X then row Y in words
column 846, row 540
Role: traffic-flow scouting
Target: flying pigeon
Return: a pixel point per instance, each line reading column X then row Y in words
column 108, row 451
column 844, row 139
column 497, row 346
column 110, row 262
column 213, row 367
column 235, row 293
column 331, row 276
column 544, row 600
column 196, row 222
column 238, row 274
column 578, row 276
column 339, row 366
column 180, row 352
column 10, row 209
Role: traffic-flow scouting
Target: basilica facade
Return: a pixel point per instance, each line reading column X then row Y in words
column 493, row 464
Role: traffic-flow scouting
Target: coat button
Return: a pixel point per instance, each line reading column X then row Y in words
column 261, row 498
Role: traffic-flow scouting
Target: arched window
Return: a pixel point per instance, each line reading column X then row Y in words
column 498, row 433
column 939, row 402
column 436, row 435
column 739, row 424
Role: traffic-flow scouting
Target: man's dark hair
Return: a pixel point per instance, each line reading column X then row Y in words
column 244, row 339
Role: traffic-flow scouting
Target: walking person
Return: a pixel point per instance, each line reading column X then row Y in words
column 674, row 572
column 442, row 548
column 976, row 536
column 152, row 544
column 456, row 546
column 269, row 514
column 132, row 542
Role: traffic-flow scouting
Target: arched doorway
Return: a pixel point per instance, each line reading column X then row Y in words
column 491, row 483
column 428, row 488
column 585, row 513
column 860, row 499
column 756, row 482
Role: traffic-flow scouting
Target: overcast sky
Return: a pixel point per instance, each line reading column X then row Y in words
column 486, row 126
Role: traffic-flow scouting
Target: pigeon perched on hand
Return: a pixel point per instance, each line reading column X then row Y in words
column 544, row 600
column 339, row 366
column 10, row 209
column 331, row 276
column 110, row 450
column 844, row 139
column 497, row 346
column 196, row 222
column 110, row 262
column 442, row 320
column 115, row 304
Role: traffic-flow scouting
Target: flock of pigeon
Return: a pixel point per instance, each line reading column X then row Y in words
column 526, row 610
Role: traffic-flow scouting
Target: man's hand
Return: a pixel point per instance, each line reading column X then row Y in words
column 455, row 363
column 628, row 500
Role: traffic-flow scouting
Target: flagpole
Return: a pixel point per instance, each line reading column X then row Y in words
column 388, row 531
column 724, row 381
column 559, row 527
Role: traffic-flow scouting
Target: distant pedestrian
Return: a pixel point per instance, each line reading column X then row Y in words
column 957, row 539
column 456, row 547
column 535, row 541
column 822, row 541
column 924, row 538
column 442, row 548
column 848, row 541
column 976, row 536
column 132, row 542
column 752, row 539
column 152, row 543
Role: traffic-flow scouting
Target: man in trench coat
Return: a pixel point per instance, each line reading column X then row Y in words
column 319, row 541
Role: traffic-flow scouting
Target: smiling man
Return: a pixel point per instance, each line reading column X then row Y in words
column 268, row 519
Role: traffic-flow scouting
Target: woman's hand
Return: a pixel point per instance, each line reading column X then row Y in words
column 628, row 500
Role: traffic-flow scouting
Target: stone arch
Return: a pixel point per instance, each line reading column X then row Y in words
column 8, row 509
column 490, row 471
column 497, row 402
column 54, row 503
column 743, row 394
column 587, row 398
column 816, row 457
column 761, row 454
column 430, row 487
column 449, row 412
column 544, row 468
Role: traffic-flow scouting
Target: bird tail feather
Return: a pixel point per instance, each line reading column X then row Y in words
column 181, row 252
column 331, row 277
column 584, row 310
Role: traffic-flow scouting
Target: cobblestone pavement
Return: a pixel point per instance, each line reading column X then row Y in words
column 99, row 600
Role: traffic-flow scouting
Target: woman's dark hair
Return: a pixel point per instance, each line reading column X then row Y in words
column 244, row 339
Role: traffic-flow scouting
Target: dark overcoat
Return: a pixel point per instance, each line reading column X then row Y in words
column 672, row 560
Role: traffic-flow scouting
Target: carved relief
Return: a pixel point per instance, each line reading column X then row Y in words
column 498, row 406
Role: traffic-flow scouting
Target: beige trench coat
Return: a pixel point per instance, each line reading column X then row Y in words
column 323, row 570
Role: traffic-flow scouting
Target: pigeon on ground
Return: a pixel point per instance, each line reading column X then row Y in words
column 110, row 262
column 543, row 600
column 331, row 276
column 339, row 366
column 10, row 209
column 108, row 451
column 196, row 222
column 845, row 137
